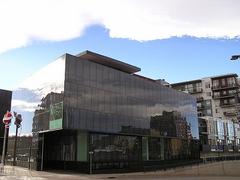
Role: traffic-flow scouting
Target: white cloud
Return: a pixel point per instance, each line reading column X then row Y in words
column 27, row 20
column 48, row 79
column 24, row 105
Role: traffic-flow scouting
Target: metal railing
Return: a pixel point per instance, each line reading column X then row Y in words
column 230, row 85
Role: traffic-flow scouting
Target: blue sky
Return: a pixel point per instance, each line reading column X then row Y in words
column 174, row 59
column 172, row 40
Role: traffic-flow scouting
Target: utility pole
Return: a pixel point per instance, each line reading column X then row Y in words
column 18, row 120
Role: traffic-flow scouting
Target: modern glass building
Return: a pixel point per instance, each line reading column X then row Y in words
column 104, row 116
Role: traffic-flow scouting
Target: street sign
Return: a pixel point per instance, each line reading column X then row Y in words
column 7, row 119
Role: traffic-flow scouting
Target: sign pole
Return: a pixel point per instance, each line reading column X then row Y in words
column 6, row 120
column 4, row 146
column 18, row 120
column 42, row 152
column 15, row 147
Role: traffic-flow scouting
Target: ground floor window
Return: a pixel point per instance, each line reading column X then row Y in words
column 115, row 148
column 120, row 148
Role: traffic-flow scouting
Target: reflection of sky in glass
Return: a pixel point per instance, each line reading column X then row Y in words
column 29, row 94
column 220, row 129
column 230, row 127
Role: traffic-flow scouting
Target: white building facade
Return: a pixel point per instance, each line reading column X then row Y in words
column 218, row 110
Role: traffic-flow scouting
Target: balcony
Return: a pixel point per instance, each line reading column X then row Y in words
column 203, row 107
column 199, row 99
column 195, row 90
column 220, row 96
column 227, row 86
column 230, row 114
column 225, row 105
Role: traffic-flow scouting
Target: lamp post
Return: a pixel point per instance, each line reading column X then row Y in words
column 90, row 162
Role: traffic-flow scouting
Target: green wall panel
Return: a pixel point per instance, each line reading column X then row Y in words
column 55, row 124
column 82, row 144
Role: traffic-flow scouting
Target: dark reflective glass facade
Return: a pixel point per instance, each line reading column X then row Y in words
column 102, row 99
column 5, row 105
column 127, row 121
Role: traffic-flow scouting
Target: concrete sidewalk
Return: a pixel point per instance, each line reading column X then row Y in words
column 14, row 172
column 228, row 170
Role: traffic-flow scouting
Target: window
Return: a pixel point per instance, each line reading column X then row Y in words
column 189, row 87
column 232, row 101
column 207, row 85
column 231, row 80
column 215, row 83
column 217, row 103
column 156, row 150
column 223, row 82
column 209, row 112
column 216, row 94
column 208, row 102
column 208, row 94
column 199, row 85
column 232, row 91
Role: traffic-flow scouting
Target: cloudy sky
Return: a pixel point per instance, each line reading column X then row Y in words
column 176, row 40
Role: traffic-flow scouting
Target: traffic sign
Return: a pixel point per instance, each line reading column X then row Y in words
column 7, row 119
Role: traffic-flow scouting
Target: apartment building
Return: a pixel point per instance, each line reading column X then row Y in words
column 218, row 110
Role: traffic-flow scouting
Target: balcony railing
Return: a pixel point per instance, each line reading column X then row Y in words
column 229, row 113
column 203, row 106
column 227, row 104
column 232, row 85
column 195, row 90
column 219, row 96
column 199, row 99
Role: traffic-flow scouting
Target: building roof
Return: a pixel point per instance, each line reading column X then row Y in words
column 224, row 75
column 107, row 61
column 211, row 77
column 186, row 82
column 4, row 90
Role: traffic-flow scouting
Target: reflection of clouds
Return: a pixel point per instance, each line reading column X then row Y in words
column 50, row 75
column 24, row 105
column 20, row 135
column 32, row 90
column 28, row 95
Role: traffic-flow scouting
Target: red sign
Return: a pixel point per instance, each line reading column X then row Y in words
column 7, row 119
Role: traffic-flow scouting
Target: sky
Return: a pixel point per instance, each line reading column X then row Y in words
column 175, row 40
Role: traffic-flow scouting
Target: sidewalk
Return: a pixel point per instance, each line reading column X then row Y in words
column 214, row 171
column 15, row 172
